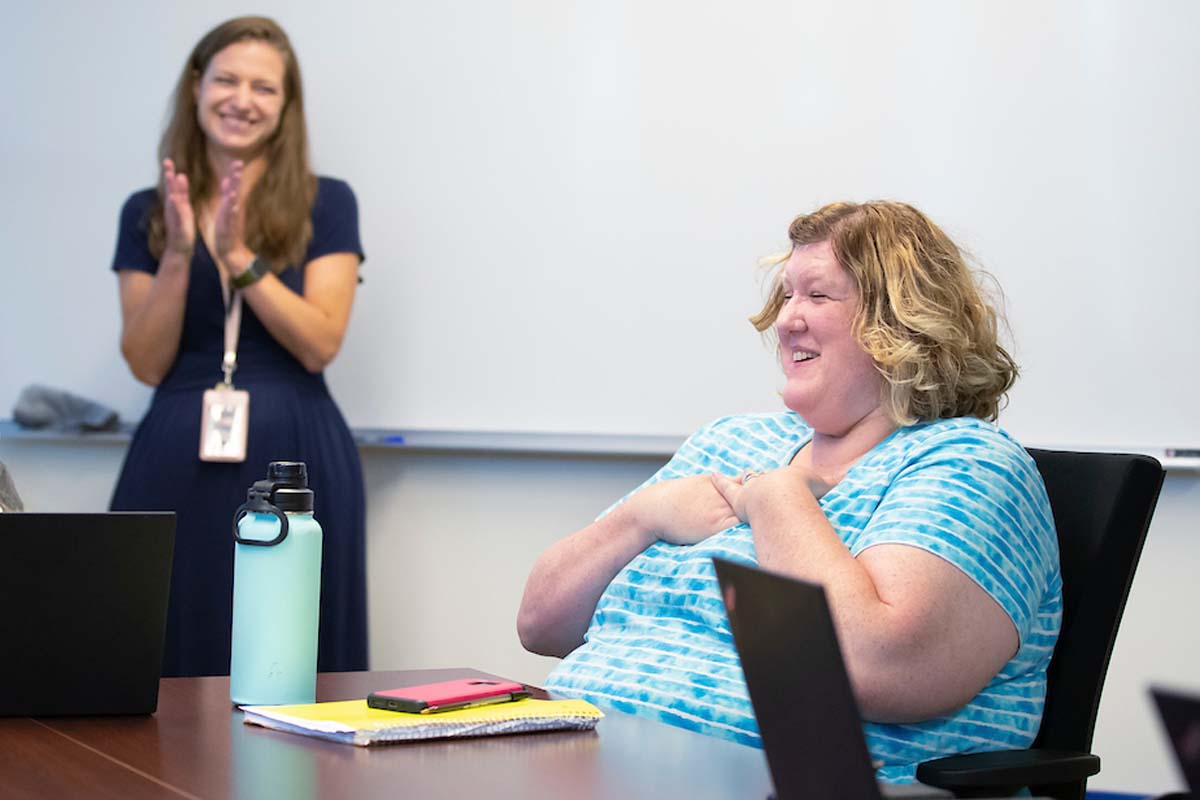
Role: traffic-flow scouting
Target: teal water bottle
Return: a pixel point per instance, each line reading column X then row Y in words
column 276, row 591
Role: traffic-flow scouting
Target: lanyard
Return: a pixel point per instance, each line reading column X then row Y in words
column 233, row 325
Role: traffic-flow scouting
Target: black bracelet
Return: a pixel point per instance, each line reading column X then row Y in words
column 253, row 274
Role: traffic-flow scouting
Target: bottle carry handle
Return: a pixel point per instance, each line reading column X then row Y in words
column 259, row 502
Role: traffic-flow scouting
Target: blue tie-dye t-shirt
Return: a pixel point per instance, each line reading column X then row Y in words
column 659, row 643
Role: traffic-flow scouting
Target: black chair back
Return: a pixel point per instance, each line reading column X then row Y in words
column 1102, row 507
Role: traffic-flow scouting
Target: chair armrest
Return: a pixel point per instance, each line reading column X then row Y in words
column 1007, row 769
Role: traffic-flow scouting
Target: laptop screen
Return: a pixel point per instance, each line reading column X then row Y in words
column 83, row 608
column 807, row 716
column 1180, row 714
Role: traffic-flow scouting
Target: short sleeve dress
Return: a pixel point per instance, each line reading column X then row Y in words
column 292, row 418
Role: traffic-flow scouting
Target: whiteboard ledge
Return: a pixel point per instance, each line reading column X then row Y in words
column 463, row 441
column 1165, row 455
column 11, row 431
column 520, row 442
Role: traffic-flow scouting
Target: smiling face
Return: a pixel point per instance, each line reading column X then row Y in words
column 240, row 98
column 831, row 380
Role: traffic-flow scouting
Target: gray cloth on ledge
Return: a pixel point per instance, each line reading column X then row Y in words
column 44, row 407
column 9, row 499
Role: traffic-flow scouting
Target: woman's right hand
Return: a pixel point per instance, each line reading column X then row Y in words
column 152, row 303
column 178, row 216
column 682, row 510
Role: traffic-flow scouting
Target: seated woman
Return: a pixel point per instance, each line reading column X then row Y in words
column 886, row 481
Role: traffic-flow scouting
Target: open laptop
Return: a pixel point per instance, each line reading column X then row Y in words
column 83, row 611
column 807, row 715
column 1180, row 715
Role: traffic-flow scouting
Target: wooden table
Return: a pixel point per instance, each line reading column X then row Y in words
column 197, row 746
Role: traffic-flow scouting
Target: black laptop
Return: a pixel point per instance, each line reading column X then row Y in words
column 807, row 715
column 1180, row 714
column 83, row 611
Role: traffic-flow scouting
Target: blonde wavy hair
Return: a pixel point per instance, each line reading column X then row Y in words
column 922, row 314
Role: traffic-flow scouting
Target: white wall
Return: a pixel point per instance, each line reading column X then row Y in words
column 556, row 192
column 451, row 537
column 563, row 200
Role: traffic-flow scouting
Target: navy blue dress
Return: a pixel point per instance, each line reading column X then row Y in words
column 292, row 418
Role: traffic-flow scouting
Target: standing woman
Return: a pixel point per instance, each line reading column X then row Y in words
column 240, row 226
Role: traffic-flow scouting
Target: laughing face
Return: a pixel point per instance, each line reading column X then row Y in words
column 239, row 98
column 831, row 381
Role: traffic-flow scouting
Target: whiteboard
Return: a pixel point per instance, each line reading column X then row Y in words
column 563, row 203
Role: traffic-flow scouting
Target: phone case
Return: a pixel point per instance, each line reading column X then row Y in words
column 446, row 695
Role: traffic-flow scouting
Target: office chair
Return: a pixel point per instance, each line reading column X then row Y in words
column 1102, row 506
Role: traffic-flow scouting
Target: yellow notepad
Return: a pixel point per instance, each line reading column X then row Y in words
column 353, row 722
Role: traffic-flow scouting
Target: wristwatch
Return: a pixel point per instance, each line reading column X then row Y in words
column 253, row 274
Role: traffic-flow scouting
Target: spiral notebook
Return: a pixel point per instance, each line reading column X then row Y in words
column 353, row 722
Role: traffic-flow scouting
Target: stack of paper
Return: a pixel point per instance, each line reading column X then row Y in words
column 352, row 722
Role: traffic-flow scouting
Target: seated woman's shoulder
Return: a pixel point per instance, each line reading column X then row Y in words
column 970, row 452
column 971, row 437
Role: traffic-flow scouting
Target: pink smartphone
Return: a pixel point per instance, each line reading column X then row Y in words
column 430, row 698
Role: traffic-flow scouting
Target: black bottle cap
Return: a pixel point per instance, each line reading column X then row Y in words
column 289, row 485
column 293, row 474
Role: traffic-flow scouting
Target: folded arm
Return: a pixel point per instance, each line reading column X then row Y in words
column 568, row 579
column 920, row 638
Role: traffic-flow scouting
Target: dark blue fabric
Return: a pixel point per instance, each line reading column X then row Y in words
column 292, row 417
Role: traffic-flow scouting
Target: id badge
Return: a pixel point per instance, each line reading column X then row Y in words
column 224, row 424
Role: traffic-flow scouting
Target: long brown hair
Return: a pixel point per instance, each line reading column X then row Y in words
column 278, row 223
column 922, row 316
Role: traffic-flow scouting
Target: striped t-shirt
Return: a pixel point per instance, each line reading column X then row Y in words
column 659, row 643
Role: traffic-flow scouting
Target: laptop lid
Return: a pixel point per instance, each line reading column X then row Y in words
column 83, row 610
column 1180, row 715
column 807, row 715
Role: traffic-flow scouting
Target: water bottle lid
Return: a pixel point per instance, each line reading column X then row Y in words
column 288, row 473
column 285, row 490
column 288, row 499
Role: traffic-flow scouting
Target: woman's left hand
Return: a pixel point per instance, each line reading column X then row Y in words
column 754, row 487
column 230, row 223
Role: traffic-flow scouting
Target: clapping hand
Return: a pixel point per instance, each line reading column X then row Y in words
column 230, row 222
column 177, row 212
